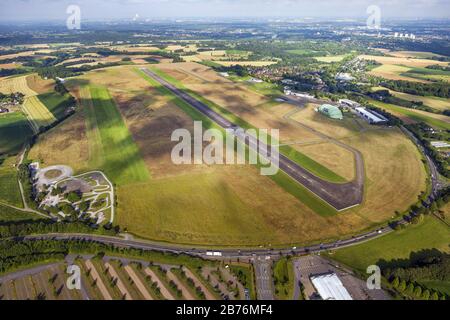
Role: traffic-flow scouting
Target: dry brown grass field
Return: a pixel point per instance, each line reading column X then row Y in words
column 393, row 72
column 9, row 65
column 64, row 144
column 393, row 68
column 332, row 156
column 16, row 84
column 39, row 85
column 228, row 205
column 384, row 170
column 412, row 54
column 395, row 174
column 408, row 62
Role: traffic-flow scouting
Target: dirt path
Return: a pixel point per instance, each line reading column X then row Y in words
column 100, row 285
column 120, row 284
column 198, row 283
column 186, row 294
column 166, row 293
column 137, row 281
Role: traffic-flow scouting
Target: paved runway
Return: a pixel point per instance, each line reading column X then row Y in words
column 339, row 196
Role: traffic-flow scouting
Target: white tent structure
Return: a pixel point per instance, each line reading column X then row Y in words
column 330, row 287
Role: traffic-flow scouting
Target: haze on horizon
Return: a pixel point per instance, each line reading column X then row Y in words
column 47, row 10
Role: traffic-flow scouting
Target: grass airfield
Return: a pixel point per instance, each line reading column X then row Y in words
column 216, row 205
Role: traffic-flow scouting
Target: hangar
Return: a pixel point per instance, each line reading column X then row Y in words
column 330, row 287
column 330, row 111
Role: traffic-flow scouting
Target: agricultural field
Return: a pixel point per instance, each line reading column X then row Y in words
column 56, row 103
column 414, row 54
column 37, row 113
column 34, row 106
column 330, row 59
column 64, row 144
column 9, row 187
column 195, row 204
column 8, row 214
column 436, row 103
column 431, row 233
column 408, row 69
column 16, row 84
column 437, row 121
column 373, row 142
column 15, row 131
column 246, row 63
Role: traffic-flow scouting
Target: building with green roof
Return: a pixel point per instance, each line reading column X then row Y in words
column 330, row 111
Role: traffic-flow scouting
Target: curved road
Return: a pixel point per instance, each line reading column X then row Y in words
column 339, row 196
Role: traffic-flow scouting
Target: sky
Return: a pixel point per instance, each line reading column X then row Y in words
column 46, row 10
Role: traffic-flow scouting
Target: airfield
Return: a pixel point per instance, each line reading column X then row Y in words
column 123, row 127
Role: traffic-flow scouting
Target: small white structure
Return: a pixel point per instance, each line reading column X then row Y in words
column 344, row 77
column 330, row 287
column 440, row 144
column 255, row 80
column 289, row 92
column 224, row 74
column 60, row 79
column 370, row 116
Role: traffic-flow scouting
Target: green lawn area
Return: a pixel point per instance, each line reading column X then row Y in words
column 430, row 233
column 10, row 214
column 307, row 52
column 9, row 187
column 117, row 154
column 55, row 103
column 15, row 131
column 244, row 274
column 283, row 276
column 441, row 286
column 436, row 123
column 428, row 74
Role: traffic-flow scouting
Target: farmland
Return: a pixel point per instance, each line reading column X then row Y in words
column 436, row 103
column 9, row 187
column 111, row 145
column 14, row 132
column 330, row 59
column 38, row 115
column 369, row 140
column 405, row 68
column 8, row 214
column 429, row 234
column 36, row 111
column 168, row 206
column 435, row 120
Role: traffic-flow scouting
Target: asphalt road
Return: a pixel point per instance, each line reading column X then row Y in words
column 340, row 196
column 263, row 276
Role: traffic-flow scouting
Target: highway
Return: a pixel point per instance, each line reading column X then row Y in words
column 340, row 196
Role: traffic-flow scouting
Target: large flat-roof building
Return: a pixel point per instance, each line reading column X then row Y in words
column 330, row 287
column 370, row 116
column 330, row 111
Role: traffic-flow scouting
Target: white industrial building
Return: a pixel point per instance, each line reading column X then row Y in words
column 330, row 287
column 349, row 103
column 440, row 144
column 370, row 116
